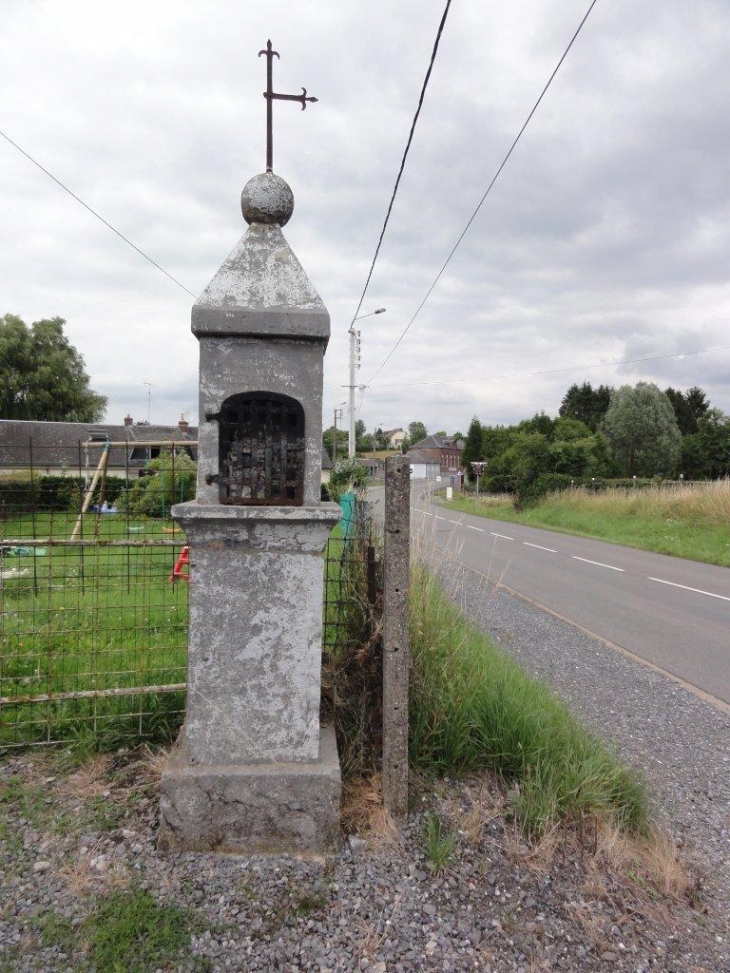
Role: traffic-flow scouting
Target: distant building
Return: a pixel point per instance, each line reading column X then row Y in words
column 422, row 465
column 65, row 448
column 442, row 453
column 395, row 437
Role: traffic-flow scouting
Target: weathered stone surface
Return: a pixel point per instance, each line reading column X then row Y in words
column 267, row 198
column 261, row 274
column 255, row 637
column 395, row 636
column 250, row 772
column 259, row 808
column 229, row 365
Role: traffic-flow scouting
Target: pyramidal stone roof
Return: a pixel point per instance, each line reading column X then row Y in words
column 261, row 282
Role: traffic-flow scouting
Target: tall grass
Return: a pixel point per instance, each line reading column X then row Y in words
column 473, row 708
column 690, row 520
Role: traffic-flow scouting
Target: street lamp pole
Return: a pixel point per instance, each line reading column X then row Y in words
column 352, row 386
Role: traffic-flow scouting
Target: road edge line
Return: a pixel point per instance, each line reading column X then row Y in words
column 702, row 694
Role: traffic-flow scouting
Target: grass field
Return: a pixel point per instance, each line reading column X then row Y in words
column 83, row 625
column 691, row 521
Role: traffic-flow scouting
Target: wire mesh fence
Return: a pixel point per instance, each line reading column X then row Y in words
column 352, row 643
column 93, row 632
column 94, row 603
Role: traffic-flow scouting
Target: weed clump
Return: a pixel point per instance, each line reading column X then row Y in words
column 472, row 708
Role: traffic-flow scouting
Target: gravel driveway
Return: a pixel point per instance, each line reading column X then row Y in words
column 71, row 838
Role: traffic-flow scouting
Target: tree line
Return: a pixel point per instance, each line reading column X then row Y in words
column 42, row 375
column 366, row 442
column 604, row 432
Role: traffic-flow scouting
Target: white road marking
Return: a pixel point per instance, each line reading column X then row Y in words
column 503, row 536
column 539, row 547
column 599, row 564
column 472, row 527
column 457, row 522
column 697, row 591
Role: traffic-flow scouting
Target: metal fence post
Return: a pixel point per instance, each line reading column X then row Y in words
column 395, row 637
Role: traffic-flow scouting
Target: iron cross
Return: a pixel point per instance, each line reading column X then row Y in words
column 270, row 95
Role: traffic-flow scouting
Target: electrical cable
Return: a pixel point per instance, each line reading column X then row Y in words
column 405, row 156
column 94, row 213
column 553, row 371
column 486, row 193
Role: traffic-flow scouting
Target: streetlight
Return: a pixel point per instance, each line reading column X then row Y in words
column 355, row 343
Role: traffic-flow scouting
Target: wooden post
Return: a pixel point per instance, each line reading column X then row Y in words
column 100, row 471
column 395, row 637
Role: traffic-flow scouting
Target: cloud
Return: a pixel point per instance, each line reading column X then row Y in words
column 605, row 238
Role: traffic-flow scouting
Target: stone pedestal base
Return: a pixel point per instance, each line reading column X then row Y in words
column 266, row 808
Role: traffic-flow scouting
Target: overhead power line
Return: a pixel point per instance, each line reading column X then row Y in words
column 486, row 193
column 405, row 155
column 553, row 371
column 97, row 215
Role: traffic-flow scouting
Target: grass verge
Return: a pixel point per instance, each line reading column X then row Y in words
column 690, row 521
column 472, row 709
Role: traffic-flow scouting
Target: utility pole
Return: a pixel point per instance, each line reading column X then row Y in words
column 338, row 415
column 354, row 365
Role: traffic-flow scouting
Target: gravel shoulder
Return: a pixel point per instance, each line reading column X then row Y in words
column 73, row 836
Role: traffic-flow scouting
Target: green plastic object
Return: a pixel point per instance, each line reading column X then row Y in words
column 347, row 502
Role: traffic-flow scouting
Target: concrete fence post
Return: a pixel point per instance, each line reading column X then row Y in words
column 395, row 637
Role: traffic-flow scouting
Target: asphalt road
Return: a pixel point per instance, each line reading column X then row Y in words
column 667, row 611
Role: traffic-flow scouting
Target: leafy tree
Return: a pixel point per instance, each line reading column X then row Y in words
column 381, row 440
column 42, row 375
column 328, row 441
column 566, row 430
column 697, row 401
column 473, row 447
column 706, row 453
column 586, row 404
column 642, row 431
column 688, row 407
column 540, row 422
column 526, row 459
column 170, row 480
column 416, row 432
column 347, row 475
column 573, row 457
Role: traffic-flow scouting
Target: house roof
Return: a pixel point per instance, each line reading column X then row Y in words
column 438, row 442
column 24, row 444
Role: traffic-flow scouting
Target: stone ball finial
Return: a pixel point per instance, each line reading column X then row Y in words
column 267, row 198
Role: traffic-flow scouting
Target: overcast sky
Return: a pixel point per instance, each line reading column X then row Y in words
column 605, row 238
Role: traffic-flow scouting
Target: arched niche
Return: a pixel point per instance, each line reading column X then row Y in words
column 261, row 450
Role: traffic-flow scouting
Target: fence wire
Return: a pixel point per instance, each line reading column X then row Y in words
column 93, row 633
column 94, row 605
